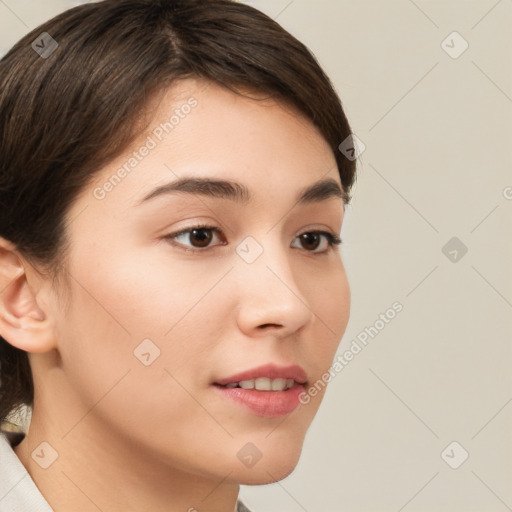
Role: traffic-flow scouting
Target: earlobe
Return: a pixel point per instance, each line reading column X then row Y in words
column 23, row 323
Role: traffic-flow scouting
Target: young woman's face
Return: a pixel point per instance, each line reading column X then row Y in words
column 156, row 320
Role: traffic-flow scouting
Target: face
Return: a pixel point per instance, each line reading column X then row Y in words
column 176, row 290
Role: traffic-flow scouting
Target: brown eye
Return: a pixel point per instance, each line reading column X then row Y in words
column 203, row 236
column 313, row 240
column 195, row 237
column 310, row 241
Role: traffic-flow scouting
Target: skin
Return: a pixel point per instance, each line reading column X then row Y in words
column 133, row 437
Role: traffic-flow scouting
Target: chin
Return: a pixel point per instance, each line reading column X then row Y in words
column 269, row 469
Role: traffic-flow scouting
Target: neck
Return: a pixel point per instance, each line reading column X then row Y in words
column 97, row 470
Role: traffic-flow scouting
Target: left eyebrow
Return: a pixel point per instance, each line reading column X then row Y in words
column 238, row 192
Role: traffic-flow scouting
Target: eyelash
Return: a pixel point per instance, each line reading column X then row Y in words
column 332, row 240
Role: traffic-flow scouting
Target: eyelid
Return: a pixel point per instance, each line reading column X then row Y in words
column 175, row 234
column 337, row 240
column 333, row 239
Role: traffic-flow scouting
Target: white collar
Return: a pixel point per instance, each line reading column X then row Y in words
column 18, row 492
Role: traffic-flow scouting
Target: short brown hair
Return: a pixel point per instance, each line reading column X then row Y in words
column 65, row 115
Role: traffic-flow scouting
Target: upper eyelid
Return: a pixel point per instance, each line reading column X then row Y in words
column 187, row 230
column 219, row 230
column 326, row 233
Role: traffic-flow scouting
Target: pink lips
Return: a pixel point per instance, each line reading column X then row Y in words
column 268, row 404
column 271, row 371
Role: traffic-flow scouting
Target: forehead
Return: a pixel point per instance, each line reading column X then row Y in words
column 199, row 128
column 222, row 118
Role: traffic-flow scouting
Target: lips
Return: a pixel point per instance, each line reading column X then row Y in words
column 269, row 371
column 268, row 401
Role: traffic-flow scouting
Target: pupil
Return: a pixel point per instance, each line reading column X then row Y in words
column 313, row 238
column 203, row 236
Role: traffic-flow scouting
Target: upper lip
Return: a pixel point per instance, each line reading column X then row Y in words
column 270, row 371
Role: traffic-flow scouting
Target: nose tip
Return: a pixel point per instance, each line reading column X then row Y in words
column 271, row 299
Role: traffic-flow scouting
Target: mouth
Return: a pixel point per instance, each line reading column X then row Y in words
column 266, row 378
column 269, row 391
column 262, row 384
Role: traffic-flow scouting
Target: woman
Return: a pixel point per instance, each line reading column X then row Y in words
column 171, row 193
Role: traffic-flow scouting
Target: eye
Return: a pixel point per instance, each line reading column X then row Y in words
column 200, row 238
column 312, row 240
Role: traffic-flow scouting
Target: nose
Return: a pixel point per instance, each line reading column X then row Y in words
column 269, row 298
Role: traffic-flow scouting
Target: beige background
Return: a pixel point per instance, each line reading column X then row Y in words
column 437, row 164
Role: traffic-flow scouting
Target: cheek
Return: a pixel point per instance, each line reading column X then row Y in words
column 334, row 300
column 123, row 302
column 145, row 295
column 329, row 299
column 118, row 320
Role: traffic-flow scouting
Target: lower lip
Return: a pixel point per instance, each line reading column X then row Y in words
column 269, row 404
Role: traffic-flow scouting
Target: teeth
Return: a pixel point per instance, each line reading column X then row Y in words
column 278, row 384
column 264, row 384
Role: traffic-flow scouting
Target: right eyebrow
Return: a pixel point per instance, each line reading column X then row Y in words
column 236, row 191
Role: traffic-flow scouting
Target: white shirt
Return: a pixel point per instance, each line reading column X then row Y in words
column 19, row 493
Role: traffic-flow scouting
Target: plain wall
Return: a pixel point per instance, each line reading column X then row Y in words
column 437, row 130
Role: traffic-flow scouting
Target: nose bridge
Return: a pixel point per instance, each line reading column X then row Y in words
column 264, row 261
column 269, row 293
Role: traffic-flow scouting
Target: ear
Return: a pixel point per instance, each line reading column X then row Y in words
column 24, row 324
